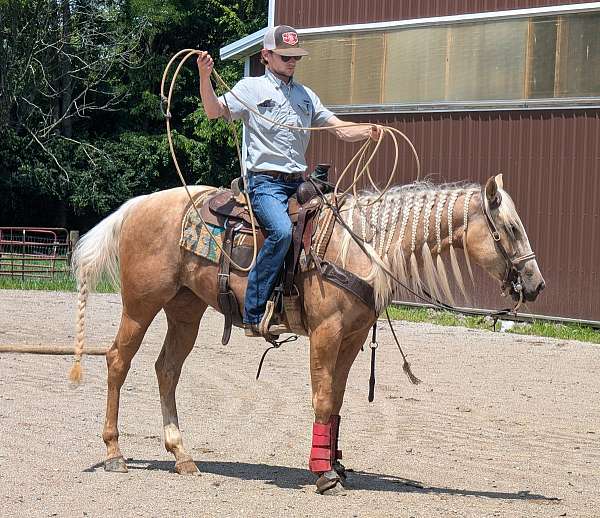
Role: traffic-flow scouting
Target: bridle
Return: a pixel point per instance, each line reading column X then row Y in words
column 514, row 265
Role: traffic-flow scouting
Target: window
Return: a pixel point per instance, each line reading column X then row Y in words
column 519, row 59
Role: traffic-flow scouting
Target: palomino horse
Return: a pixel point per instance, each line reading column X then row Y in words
column 399, row 228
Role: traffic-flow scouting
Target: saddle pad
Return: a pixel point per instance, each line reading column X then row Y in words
column 195, row 237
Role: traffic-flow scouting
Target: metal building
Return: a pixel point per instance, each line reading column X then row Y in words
column 480, row 87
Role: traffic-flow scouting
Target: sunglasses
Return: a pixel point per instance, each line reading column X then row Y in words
column 285, row 59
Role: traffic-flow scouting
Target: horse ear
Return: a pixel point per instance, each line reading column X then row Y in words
column 491, row 192
column 491, row 189
column 499, row 181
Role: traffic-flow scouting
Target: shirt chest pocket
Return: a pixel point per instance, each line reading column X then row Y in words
column 304, row 112
column 269, row 111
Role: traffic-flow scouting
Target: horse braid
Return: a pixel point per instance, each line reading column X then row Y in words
column 75, row 375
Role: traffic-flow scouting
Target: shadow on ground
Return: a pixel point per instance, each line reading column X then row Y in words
column 295, row 478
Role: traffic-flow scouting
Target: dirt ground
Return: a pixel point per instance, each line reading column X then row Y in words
column 501, row 426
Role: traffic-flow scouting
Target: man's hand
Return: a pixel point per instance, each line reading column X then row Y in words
column 375, row 133
column 212, row 106
column 205, row 64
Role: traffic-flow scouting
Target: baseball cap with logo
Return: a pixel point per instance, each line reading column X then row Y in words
column 283, row 40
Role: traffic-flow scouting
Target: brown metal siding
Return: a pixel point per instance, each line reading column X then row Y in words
column 323, row 13
column 551, row 166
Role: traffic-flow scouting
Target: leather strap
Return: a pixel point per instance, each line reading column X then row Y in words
column 349, row 282
column 226, row 298
column 288, row 283
column 280, row 176
column 301, row 238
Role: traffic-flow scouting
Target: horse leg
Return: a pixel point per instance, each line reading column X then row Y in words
column 183, row 315
column 348, row 352
column 118, row 359
column 325, row 341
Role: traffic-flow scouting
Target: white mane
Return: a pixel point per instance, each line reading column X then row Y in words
column 411, row 207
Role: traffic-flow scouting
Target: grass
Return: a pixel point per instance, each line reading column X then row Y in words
column 60, row 282
column 536, row 328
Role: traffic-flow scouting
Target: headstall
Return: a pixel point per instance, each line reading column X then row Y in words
column 512, row 276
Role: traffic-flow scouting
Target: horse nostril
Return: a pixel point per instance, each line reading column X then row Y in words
column 541, row 286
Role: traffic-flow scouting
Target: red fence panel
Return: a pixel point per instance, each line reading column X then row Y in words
column 29, row 252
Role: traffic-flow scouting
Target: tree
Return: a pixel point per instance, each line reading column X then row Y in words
column 81, row 127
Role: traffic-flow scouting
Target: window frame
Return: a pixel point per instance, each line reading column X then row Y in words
column 588, row 102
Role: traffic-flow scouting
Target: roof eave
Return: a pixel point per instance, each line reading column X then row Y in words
column 245, row 47
column 252, row 43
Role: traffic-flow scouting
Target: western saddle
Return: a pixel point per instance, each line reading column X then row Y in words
column 228, row 209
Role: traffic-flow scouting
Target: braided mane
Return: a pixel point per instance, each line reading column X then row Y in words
column 390, row 227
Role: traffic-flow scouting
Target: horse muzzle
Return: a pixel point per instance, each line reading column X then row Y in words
column 530, row 294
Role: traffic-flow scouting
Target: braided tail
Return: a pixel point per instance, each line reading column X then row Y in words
column 96, row 257
column 75, row 376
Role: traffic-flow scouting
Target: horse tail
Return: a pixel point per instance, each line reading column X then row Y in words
column 96, row 254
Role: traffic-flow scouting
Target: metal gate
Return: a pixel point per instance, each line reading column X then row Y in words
column 28, row 252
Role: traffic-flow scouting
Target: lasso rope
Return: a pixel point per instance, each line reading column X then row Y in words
column 362, row 166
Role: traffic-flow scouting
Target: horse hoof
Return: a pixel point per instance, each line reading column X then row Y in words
column 115, row 465
column 186, row 466
column 330, row 484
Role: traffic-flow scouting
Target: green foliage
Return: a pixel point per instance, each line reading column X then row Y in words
column 74, row 170
column 563, row 331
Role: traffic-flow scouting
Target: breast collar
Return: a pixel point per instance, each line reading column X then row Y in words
column 514, row 265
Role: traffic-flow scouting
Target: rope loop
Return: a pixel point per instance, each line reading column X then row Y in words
column 363, row 157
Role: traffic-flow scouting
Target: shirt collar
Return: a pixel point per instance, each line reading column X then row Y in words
column 276, row 81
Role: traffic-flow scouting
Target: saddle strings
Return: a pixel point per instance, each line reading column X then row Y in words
column 362, row 166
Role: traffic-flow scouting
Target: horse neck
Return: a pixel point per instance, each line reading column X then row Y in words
column 396, row 228
column 436, row 217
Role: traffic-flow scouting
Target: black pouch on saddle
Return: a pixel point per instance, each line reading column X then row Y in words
column 321, row 177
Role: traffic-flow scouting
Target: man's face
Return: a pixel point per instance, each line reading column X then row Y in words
column 279, row 65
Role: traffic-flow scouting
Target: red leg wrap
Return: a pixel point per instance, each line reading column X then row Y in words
column 320, row 453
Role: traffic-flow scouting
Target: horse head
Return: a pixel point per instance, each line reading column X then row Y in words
column 498, row 242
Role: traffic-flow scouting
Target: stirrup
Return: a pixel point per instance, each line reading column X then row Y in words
column 266, row 329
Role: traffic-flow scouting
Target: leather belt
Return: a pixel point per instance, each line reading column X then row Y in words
column 278, row 175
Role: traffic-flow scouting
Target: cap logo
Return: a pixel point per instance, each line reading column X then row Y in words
column 291, row 38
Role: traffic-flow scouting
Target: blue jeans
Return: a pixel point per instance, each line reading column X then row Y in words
column 269, row 198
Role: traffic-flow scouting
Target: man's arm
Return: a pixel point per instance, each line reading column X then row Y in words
column 351, row 131
column 212, row 106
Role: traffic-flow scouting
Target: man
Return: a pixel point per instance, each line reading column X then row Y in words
column 275, row 157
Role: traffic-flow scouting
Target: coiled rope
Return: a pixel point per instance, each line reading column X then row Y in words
column 363, row 157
